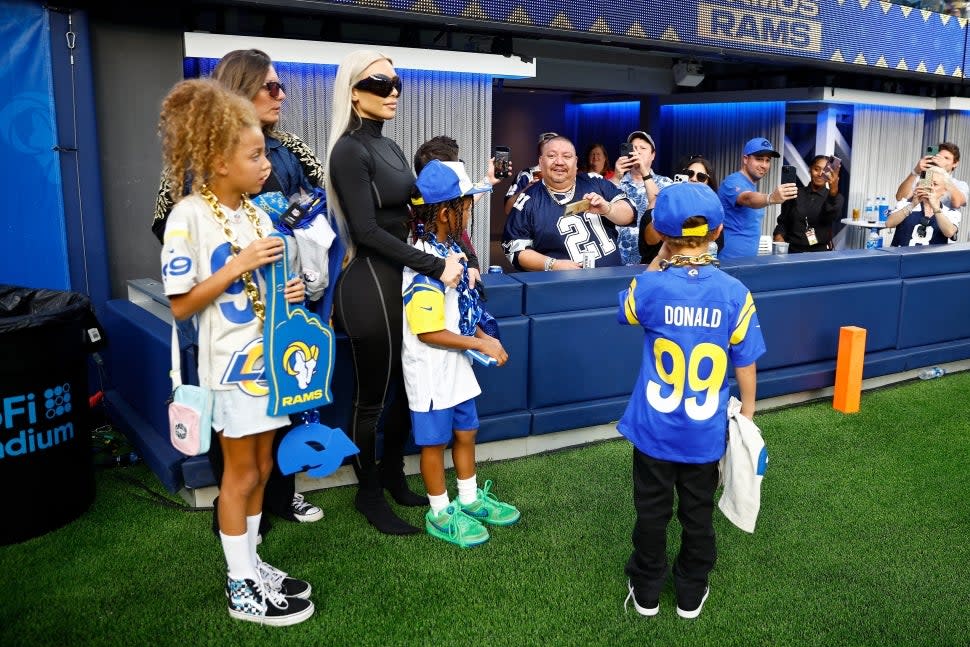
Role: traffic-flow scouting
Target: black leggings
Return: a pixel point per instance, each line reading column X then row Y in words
column 368, row 308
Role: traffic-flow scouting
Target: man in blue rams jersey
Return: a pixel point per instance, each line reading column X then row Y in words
column 696, row 319
column 540, row 234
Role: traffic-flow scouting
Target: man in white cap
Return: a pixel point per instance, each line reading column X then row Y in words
column 744, row 206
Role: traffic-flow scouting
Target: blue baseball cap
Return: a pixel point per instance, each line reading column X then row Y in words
column 760, row 146
column 443, row 181
column 678, row 202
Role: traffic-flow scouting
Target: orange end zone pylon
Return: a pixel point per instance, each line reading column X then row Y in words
column 848, row 369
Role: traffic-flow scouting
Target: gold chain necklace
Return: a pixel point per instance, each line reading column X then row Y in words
column 680, row 260
column 252, row 292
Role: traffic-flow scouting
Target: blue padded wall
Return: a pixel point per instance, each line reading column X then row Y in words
column 548, row 292
column 802, row 326
column 795, row 271
column 503, row 295
column 504, row 388
column 579, row 414
column 581, row 356
column 138, row 360
column 934, row 309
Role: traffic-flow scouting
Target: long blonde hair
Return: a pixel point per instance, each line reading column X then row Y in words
column 344, row 118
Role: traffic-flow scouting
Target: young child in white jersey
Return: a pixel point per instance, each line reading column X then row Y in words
column 440, row 325
column 215, row 241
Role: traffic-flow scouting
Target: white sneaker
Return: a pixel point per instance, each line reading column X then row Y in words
column 304, row 511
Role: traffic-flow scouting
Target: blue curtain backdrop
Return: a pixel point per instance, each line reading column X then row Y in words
column 603, row 123
column 33, row 248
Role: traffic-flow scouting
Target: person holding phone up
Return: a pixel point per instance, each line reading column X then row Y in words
column 947, row 157
column 805, row 223
column 924, row 219
column 744, row 205
column 635, row 177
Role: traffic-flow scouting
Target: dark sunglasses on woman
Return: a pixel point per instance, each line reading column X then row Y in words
column 701, row 177
column 380, row 85
column 274, row 88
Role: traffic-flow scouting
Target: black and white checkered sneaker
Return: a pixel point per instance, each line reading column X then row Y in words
column 251, row 601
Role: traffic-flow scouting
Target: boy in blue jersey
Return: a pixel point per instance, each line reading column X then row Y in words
column 695, row 319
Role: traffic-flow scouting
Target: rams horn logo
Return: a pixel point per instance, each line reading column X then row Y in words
column 300, row 361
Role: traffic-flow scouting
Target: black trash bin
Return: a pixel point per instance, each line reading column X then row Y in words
column 46, row 471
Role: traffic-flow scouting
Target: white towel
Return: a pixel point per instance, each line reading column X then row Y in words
column 742, row 468
column 314, row 244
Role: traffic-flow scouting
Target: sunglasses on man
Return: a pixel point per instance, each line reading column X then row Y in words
column 380, row 85
column 274, row 88
column 689, row 173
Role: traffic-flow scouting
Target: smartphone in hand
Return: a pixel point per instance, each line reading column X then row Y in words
column 833, row 166
column 931, row 151
column 503, row 161
column 625, row 149
column 788, row 175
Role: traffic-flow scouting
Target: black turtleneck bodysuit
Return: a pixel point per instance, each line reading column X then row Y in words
column 373, row 181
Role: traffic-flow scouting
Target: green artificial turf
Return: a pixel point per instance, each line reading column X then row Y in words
column 863, row 539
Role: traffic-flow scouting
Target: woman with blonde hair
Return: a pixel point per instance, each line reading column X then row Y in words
column 369, row 182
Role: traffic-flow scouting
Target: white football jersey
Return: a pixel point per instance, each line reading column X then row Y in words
column 230, row 336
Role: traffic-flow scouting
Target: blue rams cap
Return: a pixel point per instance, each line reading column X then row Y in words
column 678, row 202
column 443, row 181
column 760, row 145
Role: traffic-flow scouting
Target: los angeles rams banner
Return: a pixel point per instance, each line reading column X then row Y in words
column 297, row 349
column 852, row 33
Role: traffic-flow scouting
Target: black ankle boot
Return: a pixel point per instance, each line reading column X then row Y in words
column 371, row 503
column 397, row 485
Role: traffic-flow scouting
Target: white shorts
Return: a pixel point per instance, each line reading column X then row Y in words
column 236, row 414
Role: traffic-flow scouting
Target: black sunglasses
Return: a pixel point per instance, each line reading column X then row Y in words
column 380, row 85
column 701, row 177
column 274, row 88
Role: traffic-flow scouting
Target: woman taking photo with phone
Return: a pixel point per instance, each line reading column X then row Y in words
column 369, row 182
column 805, row 223
column 694, row 168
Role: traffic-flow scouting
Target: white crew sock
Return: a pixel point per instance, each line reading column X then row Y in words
column 468, row 490
column 252, row 530
column 438, row 502
column 238, row 558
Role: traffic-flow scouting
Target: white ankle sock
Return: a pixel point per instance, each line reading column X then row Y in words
column 238, row 558
column 438, row 502
column 468, row 490
column 252, row 529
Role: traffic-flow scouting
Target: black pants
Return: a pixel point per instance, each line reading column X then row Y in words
column 654, row 482
column 368, row 308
